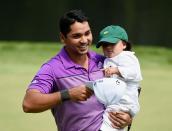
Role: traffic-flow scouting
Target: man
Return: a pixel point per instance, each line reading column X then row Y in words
column 59, row 84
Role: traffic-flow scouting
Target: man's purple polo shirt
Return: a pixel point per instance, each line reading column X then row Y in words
column 61, row 73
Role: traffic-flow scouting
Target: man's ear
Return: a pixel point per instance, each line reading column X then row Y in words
column 62, row 38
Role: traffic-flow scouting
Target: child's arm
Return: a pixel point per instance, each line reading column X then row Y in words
column 111, row 71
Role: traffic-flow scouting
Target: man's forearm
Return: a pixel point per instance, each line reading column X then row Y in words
column 34, row 101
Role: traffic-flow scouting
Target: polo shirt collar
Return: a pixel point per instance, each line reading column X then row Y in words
column 67, row 62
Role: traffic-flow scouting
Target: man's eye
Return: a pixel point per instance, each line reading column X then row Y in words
column 87, row 33
column 76, row 36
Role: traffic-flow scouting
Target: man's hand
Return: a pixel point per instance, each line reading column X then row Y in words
column 120, row 119
column 80, row 93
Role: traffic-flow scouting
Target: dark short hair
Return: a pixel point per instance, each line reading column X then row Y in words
column 128, row 45
column 69, row 18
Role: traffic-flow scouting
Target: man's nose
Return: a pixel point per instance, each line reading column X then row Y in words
column 83, row 39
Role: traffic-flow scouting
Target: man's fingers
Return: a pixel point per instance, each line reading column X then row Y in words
column 89, row 92
column 86, row 93
column 115, row 124
column 102, row 69
column 116, row 120
column 124, row 116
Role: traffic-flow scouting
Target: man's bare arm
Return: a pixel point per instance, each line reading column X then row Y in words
column 35, row 101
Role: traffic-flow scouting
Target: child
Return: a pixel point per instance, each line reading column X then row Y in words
column 119, row 90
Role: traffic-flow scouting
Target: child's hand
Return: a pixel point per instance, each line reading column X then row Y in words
column 108, row 72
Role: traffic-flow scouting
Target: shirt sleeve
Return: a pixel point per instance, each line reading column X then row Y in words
column 43, row 80
column 128, row 67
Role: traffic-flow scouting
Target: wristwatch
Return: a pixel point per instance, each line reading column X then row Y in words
column 65, row 95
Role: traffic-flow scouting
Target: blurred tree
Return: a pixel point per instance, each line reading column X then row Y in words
column 147, row 22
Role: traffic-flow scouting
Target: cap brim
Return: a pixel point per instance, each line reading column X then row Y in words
column 107, row 40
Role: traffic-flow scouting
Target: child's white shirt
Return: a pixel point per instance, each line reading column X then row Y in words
column 129, row 68
column 127, row 64
column 115, row 96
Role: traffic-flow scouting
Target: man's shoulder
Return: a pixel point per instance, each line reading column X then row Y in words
column 57, row 59
column 96, row 56
column 54, row 61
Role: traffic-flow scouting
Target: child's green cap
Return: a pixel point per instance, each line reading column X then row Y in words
column 112, row 34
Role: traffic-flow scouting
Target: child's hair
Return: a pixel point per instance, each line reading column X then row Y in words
column 128, row 46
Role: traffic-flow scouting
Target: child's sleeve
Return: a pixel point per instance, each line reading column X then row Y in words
column 129, row 67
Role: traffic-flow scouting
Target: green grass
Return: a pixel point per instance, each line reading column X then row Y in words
column 19, row 61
